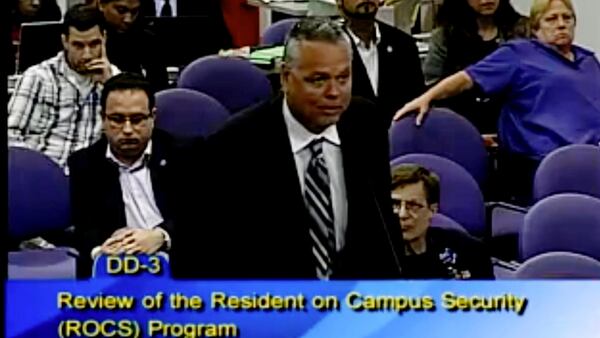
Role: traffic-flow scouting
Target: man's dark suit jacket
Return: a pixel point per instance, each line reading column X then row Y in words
column 258, row 222
column 400, row 74
column 185, row 7
column 96, row 197
column 139, row 51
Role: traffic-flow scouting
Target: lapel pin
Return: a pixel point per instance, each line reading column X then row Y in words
column 389, row 49
column 163, row 162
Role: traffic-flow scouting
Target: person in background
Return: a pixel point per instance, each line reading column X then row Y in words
column 55, row 108
column 468, row 31
column 541, row 110
column 385, row 65
column 298, row 186
column 122, row 186
column 22, row 11
column 430, row 252
column 242, row 21
column 131, row 46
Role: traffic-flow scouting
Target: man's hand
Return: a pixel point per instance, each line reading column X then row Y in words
column 111, row 246
column 100, row 67
column 420, row 104
column 142, row 241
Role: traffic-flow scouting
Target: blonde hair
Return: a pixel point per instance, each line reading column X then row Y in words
column 539, row 7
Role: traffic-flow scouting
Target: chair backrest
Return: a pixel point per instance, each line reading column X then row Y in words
column 443, row 133
column 444, row 222
column 460, row 196
column 276, row 33
column 234, row 82
column 574, row 168
column 559, row 265
column 563, row 222
column 186, row 113
column 38, row 194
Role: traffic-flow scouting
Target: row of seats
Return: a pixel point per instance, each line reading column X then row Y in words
column 206, row 96
column 564, row 221
column 39, row 203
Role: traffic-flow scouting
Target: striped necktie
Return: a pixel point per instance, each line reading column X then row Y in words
column 317, row 195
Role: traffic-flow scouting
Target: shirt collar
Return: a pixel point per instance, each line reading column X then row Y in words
column 580, row 53
column 300, row 137
column 139, row 163
column 358, row 42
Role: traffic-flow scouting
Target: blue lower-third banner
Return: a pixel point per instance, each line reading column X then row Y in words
column 150, row 307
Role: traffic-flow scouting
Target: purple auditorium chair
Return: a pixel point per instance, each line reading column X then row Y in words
column 444, row 222
column 574, row 168
column 186, row 113
column 460, row 197
column 563, row 222
column 38, row 203
column 277, row 33
column 234, row 82
column 443, row 133
column 559, row 265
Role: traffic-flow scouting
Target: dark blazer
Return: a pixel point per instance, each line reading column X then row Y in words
column 139, row 51
column 257, row 226
column 471, row 259
column 185, row 7
column 400, row 74
column 96, row 197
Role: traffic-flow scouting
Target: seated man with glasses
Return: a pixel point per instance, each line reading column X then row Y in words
column 122, row 185
column 432, row 252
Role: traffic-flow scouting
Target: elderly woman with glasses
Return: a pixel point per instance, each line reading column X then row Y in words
column 432, row 252
column 550, row 90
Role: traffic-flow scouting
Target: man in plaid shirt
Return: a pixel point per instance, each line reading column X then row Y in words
column 55, row 108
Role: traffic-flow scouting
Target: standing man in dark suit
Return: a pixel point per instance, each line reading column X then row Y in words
column 120, row 186
column 299, row 185
column 386, row 65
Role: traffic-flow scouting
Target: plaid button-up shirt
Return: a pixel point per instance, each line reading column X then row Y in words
column 55, row 110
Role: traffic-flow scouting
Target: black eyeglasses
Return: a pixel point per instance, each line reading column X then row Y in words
column 119, row 120
column 410, row 206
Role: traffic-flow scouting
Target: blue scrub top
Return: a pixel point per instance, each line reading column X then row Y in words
column 549, row 101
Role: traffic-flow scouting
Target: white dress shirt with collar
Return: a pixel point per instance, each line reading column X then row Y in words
column 136, row 185
column 158, row 5
column 138, row 196
column 300, row 138
column 369, row 56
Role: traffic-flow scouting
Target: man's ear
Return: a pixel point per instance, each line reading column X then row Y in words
column 283, row 76
column 153, row 112
column 434, row 207
column 64, row 39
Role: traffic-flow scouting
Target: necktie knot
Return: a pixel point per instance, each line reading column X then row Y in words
column 316, row 147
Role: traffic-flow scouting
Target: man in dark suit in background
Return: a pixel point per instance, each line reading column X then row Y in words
column 130, row 45
column 180, row 7
column 121, row 186
column 298, row 186
column 386, row 66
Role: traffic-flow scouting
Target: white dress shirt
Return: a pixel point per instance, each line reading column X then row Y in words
column 369, row 56
column 136, row 185
column 158, row 5
column 300, row 138
column 138, row 196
